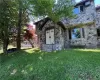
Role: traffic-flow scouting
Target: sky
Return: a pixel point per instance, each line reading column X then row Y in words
column 97, row 2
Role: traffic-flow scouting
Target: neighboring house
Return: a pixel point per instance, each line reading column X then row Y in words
column 82, row 31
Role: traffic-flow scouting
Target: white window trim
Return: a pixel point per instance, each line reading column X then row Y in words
column 81, row 34
column 80, row 9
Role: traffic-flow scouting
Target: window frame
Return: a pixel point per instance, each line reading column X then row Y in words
column 82, row 33
column 72, row 33
column 79, row 9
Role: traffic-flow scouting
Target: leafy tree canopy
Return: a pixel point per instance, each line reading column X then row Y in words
column 55, row 9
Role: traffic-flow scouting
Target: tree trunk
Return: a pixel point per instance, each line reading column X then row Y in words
column 19, row 29
column 5, row 45
column 32, row 44
column 5, row 39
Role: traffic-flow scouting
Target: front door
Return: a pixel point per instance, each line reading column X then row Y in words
column 50, row 36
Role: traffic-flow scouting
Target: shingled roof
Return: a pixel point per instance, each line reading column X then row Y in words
column 82, row 2
column 98, row 7
column 40, row 24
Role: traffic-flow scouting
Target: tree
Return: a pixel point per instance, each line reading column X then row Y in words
column 22, row 19
column 30, row 34
column 14, row 12
column 19, row 26
column 7, row 20
column 55, row 9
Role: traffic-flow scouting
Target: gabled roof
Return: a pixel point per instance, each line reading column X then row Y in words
column 82, row 2
column 98, row 7
column 40, row 24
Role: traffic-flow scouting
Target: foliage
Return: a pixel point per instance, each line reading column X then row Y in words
column 51, row 8
column 79, row 64
column 30, row 34
column 7, row 20
column 7, row 16
column 16, row 13
column 13, row 13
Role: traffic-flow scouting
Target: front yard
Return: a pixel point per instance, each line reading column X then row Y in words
column 76, row 64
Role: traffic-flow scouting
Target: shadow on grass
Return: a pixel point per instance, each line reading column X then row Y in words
column 16, row 54
column 26, row 63
column 29, row 52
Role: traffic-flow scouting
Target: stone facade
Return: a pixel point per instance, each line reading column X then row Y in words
column 61, row 35
column 89, row 40
column 58, row 37
column 98, row 24
column 89, row 15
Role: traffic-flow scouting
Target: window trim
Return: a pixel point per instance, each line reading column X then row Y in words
column 82, row 33
column 72, row 32
column 79, row 7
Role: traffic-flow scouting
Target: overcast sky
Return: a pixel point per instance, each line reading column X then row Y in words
column 97, row 2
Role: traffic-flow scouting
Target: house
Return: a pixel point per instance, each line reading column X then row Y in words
column 82, row 31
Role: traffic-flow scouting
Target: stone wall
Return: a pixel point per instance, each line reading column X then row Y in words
column 98, row 25
column 87, row 16
column 78, row 42
column 89, row 40
column 98, row 18
column 98, row 42
column 62, row 37
column 58, row 37
column 91, row 36
column 90, row 32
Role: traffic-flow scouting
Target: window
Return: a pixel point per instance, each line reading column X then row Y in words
column 76, row 33
column 78, row 9
column 69, row 34
column 98, row 32
column 81, row 8
column 50, row 36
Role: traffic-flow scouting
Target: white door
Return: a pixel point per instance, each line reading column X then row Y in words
column 47, row 37
column 50, row 36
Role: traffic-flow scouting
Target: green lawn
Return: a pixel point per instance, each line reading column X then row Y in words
column 75, row 64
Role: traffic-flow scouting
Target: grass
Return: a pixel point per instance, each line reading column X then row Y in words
column 31, row 64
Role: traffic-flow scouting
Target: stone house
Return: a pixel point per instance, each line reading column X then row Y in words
column 82, row 31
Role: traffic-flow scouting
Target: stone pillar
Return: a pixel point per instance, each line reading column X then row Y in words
column 66, row 39
column 91, row 36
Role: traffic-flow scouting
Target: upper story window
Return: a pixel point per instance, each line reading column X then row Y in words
column 81, row 8
column 78, row 9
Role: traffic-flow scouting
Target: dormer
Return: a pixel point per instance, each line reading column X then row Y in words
column 98, row 9
column 79, row 9
column 82, row 6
